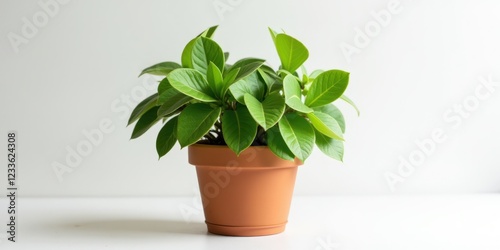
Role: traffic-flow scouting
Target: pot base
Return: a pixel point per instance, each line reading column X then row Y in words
column 245, row 231
column 244, row 195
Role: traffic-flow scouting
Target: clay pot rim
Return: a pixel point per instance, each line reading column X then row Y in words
column 222, row 146
column 267, row 160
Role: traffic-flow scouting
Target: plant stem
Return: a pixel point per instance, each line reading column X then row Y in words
column 260, row 138
column 218, row 125
column 211, row 138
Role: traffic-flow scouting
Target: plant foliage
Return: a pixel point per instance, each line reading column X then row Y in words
column 206, row 100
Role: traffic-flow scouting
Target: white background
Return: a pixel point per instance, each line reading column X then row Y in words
column 76, row 70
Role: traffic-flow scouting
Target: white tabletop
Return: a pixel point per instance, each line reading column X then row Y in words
column 340, row 223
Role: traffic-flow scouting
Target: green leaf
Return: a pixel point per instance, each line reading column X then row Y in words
column 298, row 135
column 293, row 95
column 277, row 145
column 168, row 94
column 346, row 99
column 296, row 104
column 195, row 121
column 142, row 107
column 272, row 80
column 273, row 34
column 164, row 86
column 146, row 121
column 246, row 67
column 331, row 147
column 173, row 103
column 186, row 58
column 284, row 72
column 326, row 125
column 334, row 112
column 267, row 113
column 229, row 80
column 248, row 85
column 209, row 32
column 170, row 99
column 305, row 78
column 205, row 51
column 270, row 71
column 327, row 87
column 166, row 137
column 268, row 77
column 226, row 56
column 239, row 129
column 214, row 77
column 291, row 52
column 191, row 83
column 161, row 69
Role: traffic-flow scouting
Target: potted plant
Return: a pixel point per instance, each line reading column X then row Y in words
column 247, row 127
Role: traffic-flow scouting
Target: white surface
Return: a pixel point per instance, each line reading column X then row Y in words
column 340, row 223
column 75, row 71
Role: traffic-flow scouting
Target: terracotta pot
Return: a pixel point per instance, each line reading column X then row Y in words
column 249, row 195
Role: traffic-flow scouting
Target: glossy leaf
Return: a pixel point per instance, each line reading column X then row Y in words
column 284, row 72
column 298, row 135
column 248, row 85
column 195, row 121
column 326, row 125
column 167, row 137
column 209, row 32
column 291, row 87
column 292, row 53
column 187, row 53
column 239, row 129
column 214, row 78
column 305, row 78
column 170, row 96
column 228, row 80
column 334, row 112
column 246, row 67
column 186, row 58
column 161, row 69
column 268, row 77
column 164, row 85
column 173, row 103
column 267, row 113
column 272, row 80
column 349, row 101
column 205, row 51
column 293, row 95
column 327, row 87
column 277, row 144
column 142, row 107
column 273, row 34
column 146, row 121
column 296, row 104
column 331, row 147
column 191, row 83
